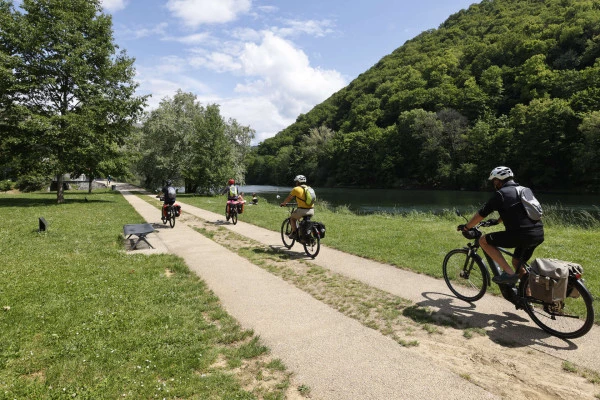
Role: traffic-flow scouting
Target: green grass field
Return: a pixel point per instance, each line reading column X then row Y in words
column 80, row 318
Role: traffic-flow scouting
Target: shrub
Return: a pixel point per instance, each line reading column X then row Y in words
column 5, row 185
column 32, row 182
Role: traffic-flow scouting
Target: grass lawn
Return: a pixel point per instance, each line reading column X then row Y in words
column 419, row 241
column 80, row 318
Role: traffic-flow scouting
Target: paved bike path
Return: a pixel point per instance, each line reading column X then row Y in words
column 337, row 357
column 499, row 317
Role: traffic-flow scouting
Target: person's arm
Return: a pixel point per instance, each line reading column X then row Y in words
column 287, row 200
column 477, row 218
column 483, row 212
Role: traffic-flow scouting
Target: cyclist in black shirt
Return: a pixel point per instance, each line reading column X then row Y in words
column 169, row 196
column 522, row 233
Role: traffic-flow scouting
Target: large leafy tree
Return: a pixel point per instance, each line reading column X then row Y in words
column 192, row 144
column 70, row 98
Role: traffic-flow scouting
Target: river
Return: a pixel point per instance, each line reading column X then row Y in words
column 402, row 201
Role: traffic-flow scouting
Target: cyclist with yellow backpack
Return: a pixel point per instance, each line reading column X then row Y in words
column 305, row 197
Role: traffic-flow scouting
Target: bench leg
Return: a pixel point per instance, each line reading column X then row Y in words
column 141, row 237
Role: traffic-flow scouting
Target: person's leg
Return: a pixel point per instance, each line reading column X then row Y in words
column 495, row 254
column 522, row 255
column 294, row 223
column 297, row 215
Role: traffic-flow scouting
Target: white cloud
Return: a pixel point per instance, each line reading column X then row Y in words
column 220, row 62
column 196, row 38
column 277, row 81
column 257, row 112
column 198, row 12
column 113, row 5
column 138, row 33
column 310, row 27
column 165, row 78
column 283, row 75
column 246, row 34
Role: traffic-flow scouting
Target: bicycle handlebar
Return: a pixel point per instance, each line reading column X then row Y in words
column 474, row 232
column 290, row 205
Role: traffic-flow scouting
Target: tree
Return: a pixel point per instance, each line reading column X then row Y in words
column 71, row 96
column 546, row 130
column 316, row 150
column 183, row 140
column 587, row 162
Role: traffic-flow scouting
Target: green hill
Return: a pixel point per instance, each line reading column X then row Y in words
column 514, row 82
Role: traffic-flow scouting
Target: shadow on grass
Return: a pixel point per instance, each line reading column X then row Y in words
column 45, row 199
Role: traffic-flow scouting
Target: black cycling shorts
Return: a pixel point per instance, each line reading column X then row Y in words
column 524, row 242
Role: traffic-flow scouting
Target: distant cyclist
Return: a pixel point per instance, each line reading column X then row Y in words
column 232, row 193
column 303, row 209
column 522, row 233
column 169, row 195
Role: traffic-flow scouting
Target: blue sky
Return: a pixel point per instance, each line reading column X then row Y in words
column 264, row 61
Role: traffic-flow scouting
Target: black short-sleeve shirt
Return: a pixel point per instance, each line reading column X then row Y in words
column 506, row 201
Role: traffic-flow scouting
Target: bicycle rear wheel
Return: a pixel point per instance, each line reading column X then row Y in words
column 312, row 243
column 465, row 276
column 568, row 319
column 234, row 216
column 286, row 229
column 171, row 216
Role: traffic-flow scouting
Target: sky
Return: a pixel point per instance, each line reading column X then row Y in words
column 264, row 62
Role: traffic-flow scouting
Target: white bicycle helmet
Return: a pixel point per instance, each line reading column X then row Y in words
column 300, row 178
column 501, row 173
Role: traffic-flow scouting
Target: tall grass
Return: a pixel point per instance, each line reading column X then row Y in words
column 557, row 215
column 80, row 318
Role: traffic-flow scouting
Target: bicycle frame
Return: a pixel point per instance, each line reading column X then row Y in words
column 509, row 292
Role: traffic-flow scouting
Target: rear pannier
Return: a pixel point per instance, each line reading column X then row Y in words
column 548, row 279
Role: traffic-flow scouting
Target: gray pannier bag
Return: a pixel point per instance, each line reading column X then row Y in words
column 548, row 279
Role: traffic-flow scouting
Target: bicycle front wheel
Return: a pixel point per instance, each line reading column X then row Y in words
column 568, row 319
column 465, row 276
column 286, row 229
column 312, row 244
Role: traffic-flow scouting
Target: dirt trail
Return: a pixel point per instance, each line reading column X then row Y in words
column 359, row 362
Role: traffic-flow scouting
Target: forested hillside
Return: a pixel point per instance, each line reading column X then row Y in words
column 514, row 82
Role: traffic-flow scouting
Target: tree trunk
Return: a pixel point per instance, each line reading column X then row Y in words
column 90, row 180
column 60, row 193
